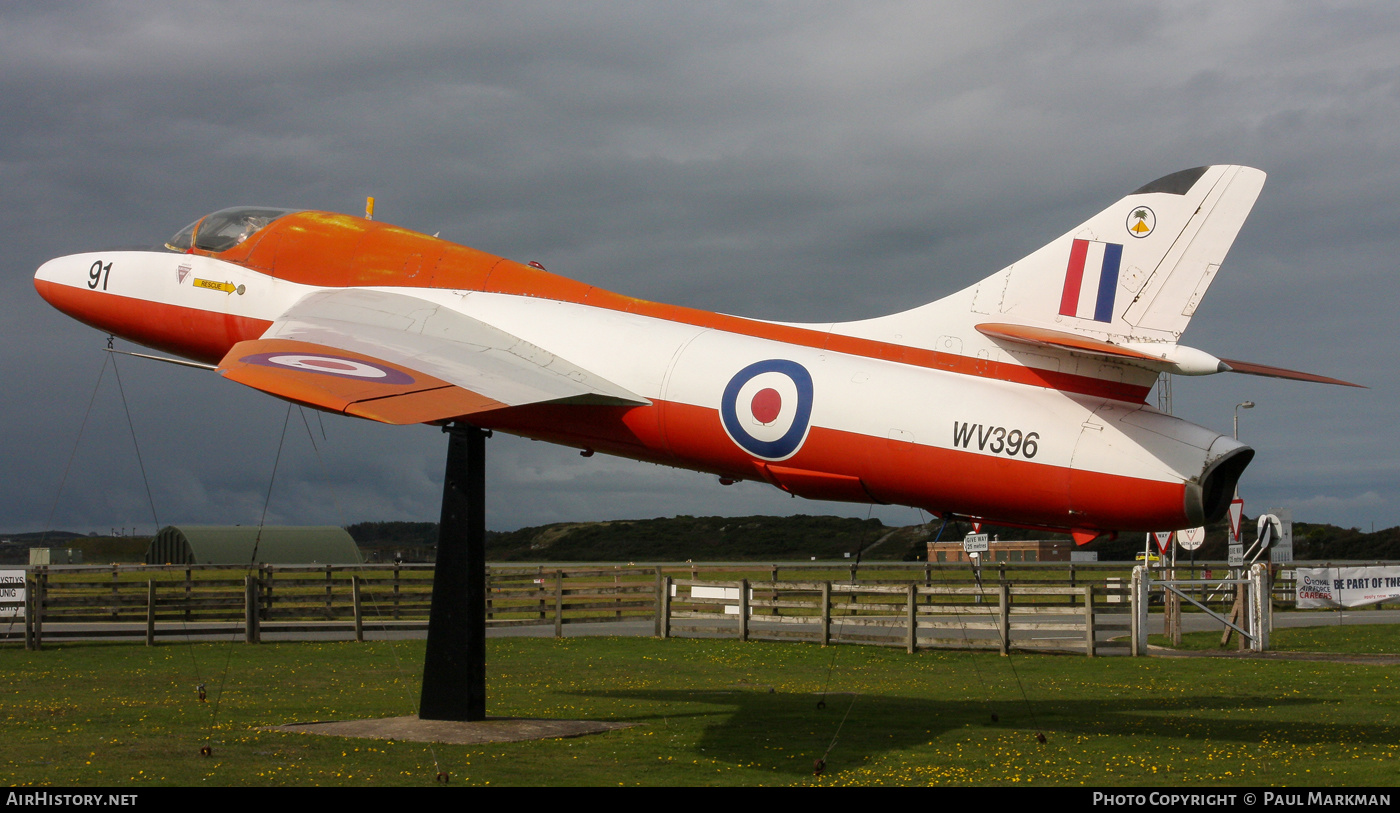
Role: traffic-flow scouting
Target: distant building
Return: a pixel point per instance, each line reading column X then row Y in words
column 55, row 556
column 244, row 545
column 1027, row 550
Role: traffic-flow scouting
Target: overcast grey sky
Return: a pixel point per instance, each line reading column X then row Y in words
column 796, row 161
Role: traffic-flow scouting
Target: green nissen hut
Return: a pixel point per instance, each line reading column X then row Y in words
column 249, row 545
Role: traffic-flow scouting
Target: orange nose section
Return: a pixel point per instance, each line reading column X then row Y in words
column 201, row 335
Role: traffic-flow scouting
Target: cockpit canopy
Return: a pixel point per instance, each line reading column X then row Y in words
column 225, row 228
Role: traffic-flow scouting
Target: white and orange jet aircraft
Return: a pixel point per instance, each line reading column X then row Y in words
column 1020, row 399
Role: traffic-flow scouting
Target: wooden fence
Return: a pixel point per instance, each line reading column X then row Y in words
column 154, row 601
column 997, row 616
column 1018, row 605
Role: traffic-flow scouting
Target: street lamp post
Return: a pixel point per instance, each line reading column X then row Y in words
column 1238, row 407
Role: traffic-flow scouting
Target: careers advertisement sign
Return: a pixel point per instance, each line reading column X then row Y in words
column 1323, row 587
column 11, row 593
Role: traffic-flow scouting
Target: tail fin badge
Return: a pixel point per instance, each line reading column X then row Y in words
column 1141, row 221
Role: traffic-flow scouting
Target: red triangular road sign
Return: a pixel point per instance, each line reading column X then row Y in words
column 1163, row 540
column 977, row 526
column 1236, row 517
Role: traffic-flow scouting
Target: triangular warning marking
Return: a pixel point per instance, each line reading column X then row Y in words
column 1236, row 517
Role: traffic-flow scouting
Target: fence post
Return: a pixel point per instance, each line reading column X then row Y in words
column 248, row 610
column 1089, row 641
column 912, row 610
column 826, row 613
column 355, row 600
column 330, row 613
column 656, row 629
column 1259, row 607
column 665, row 613
column 486, row 590
column 559, row 604
column 743, row 609
column 150, row 612
column 40, row 599
column 29, row 592
column 116, row 594
column 396, row 590
column 1004, row 616
column 1138, row 595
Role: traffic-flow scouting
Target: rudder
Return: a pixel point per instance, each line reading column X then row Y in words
column 1138, row 269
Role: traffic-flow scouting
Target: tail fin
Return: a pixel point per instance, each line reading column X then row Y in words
column 1108, row 300
column 1138, row 269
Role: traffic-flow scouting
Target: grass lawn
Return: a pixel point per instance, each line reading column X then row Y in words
column 708, row 712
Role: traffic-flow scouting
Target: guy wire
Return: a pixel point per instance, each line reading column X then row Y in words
column 83, row 427
column 253, row 560
column 821, row 704
column 378, row 612
column 1010, row 661
column 48, row 524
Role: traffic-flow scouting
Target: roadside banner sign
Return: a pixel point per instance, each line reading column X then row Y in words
column 1236, row 517
column 12, row 593
column 1191, row 538
column 1346, row 586
column 975, row 543
column 1163, row 540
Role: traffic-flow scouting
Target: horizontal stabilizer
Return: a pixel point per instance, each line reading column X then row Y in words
column 1045, row 337
column 1249, row 368
column 1160, row 356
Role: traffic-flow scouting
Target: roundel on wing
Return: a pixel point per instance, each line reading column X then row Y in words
column 338, row 366
column 766, row 408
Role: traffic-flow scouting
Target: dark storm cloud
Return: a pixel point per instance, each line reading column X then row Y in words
column 791, row 161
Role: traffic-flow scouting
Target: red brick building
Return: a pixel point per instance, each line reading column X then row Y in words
column 1028, row 550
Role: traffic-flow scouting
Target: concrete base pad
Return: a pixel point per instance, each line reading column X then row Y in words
column 412, row 729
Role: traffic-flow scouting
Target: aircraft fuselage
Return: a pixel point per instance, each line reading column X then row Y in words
column 811, row 409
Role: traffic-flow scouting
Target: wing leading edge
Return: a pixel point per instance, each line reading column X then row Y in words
column 400, row 359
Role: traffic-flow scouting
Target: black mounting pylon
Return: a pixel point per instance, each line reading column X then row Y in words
column 454, row 668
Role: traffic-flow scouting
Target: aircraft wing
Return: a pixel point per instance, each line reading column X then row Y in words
column 400, row 359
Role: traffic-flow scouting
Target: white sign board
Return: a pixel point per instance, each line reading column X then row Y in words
column 975, row 543
column 730, row 593
column 1236, row 556
column 1191, row 538
column 1346, row 586
column 12, row 588
column 1282, row 549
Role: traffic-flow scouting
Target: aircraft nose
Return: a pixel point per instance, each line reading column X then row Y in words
column 74, row 285
column 46, row 279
